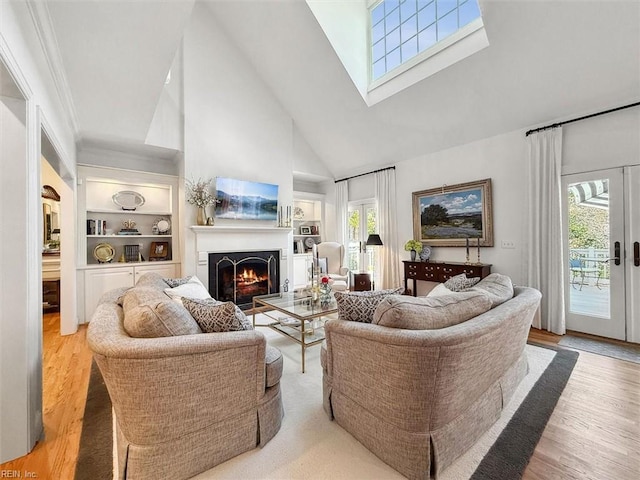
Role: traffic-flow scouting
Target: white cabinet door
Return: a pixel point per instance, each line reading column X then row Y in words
column 165, row 271
column 300, row 270
column 97, row 282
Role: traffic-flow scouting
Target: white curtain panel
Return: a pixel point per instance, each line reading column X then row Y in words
column 342, row 216
column 389, row 267
column 544, row 254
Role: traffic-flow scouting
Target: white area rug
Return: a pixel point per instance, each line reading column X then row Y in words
column 310, row 446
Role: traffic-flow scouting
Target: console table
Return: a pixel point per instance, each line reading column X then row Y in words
column 440, row 271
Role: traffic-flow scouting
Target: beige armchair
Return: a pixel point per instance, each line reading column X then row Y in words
column 186, row 403
column 334, row 253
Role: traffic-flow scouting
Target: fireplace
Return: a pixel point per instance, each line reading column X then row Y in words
column 239, row 276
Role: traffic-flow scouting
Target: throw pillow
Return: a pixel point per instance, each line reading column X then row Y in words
column 151, row 279
column 439, row 290
column 213, row 316
column 148, row 313
column 497, row 287
column 192, row 289
column 428, row 313
column 460, row 283
column 176, row 282
column 360, row 306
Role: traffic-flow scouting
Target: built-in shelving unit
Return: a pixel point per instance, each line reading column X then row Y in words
column 156, row 222
column 307, row 219
column 307, row 222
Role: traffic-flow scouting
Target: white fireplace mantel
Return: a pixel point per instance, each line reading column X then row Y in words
column 239, row 229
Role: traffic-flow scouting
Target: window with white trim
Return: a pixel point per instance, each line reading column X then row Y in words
column 402, row 30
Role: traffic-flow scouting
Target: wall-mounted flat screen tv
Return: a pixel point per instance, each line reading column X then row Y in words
column 243, row 200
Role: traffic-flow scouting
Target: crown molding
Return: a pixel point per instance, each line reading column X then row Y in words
column 46, row 34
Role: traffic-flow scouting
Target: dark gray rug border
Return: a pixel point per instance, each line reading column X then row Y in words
column 95, row 456
column 510, row 454
column 506, row 459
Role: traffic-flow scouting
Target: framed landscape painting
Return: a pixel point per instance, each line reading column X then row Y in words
column 449, row 215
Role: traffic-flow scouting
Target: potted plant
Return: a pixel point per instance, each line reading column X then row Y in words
column 413, row 246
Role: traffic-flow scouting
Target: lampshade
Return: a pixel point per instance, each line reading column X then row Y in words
column 374, row 239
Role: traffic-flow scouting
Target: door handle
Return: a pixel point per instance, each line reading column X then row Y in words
column 616, row 253
column 636, row 254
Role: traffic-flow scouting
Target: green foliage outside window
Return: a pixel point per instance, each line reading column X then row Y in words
column 588, row 226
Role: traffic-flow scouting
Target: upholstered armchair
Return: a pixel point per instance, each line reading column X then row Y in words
column 334, row 253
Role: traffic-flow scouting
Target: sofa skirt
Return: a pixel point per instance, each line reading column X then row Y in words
column 205, row 448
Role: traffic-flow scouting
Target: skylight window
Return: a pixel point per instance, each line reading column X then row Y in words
column 402, row 30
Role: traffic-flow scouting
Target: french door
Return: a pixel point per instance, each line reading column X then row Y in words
column 361, row 223
column 601, row 238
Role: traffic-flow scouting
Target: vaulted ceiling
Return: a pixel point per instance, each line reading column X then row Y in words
column 547, row 60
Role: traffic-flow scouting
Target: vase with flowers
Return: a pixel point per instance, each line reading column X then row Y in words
column 413, row 246
column 198, row 194
column 325, row 291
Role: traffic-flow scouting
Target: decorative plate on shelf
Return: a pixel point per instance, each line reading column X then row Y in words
column 104, row 252
column 164, row 225
column 298, row 213
column 310, row 242
column 425, row 254
column 128, row 200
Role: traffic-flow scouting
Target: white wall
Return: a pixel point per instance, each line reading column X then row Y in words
column 501, row 158
column 14, row 401
column 234, row 126
column 20, row 342
column 148, row 162
column 603, row 142
column 608, row 141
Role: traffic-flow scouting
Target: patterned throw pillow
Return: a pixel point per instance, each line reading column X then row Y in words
column 191, row 289
column 460, row 283
column 214, row 316
column 360, row 306
column 176, row 282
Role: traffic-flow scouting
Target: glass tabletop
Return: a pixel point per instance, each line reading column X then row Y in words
column 299, row 305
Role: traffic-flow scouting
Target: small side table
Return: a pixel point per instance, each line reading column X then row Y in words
column 360, row 281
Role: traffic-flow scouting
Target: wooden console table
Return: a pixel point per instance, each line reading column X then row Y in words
column 440, row 271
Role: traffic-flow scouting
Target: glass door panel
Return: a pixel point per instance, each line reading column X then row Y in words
column 362, row 222
column 594, row 237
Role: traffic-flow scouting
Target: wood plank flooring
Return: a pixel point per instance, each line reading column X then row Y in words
column 66, row 366
column 594, row 432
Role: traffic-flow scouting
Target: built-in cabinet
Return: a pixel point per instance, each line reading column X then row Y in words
column 307, row 219
column 97, row 281
column 127, row 224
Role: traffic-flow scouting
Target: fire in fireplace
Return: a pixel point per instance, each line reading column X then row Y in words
column 239, row 276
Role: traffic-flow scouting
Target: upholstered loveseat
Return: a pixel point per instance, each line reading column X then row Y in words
column 417, row 397
column 185, row 401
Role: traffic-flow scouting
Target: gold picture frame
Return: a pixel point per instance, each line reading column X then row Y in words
column 449, row 215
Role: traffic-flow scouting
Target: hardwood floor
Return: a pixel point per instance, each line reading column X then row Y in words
column 594, row 432
column 66, row 367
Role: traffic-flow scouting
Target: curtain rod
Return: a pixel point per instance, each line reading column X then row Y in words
column 363, row 174
column 559, row 124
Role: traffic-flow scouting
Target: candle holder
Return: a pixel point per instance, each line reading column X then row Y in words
column 478, row 262
column 468, row 260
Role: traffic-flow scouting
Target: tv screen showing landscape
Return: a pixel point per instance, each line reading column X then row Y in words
column 243, row 200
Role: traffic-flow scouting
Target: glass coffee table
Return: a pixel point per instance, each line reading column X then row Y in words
column 295, row 316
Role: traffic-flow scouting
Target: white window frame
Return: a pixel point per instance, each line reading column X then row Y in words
column 424, row 56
